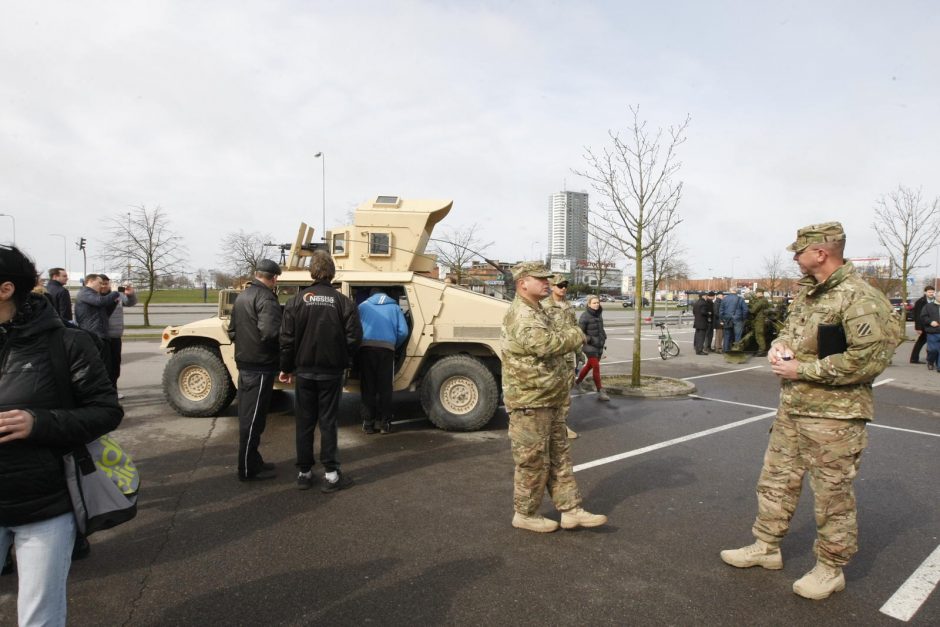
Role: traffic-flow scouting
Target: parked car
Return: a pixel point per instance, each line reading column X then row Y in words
column 908, row 308
column 628, row 301
column 579, row 302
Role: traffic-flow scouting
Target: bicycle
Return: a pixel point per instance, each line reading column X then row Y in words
column 667, row 346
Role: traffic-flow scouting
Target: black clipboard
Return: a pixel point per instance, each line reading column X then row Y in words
column 830, row 340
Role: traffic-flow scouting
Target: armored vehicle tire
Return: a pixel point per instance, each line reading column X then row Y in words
column 196, row 382
column 459, row 393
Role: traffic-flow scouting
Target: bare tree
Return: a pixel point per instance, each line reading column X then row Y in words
column 242, row 252
column 456, row 248
column 665, row 261
column 634, row 177
column 776, row 273
column 882, row 276
column 908, row 227
column 143, row 240
column 602, row 257
column 223, row 279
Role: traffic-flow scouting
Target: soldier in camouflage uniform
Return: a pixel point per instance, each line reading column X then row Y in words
column 825, row 401
column 562, row 314
column 759, row 308
column 536, row 383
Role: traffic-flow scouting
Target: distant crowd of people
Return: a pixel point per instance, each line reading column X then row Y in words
column 720, row 321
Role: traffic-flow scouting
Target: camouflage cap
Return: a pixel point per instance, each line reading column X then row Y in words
column 536, row 269
column 558, row 279
column 817, row 234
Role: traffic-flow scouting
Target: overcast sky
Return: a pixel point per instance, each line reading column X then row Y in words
column 801, row 112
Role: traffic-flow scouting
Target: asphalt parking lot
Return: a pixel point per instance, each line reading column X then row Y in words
column 424, row 535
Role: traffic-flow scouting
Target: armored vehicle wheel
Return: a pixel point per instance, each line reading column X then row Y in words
column 196, row 382
column 459, row 394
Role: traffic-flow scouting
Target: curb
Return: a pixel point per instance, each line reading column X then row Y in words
column 650, row 387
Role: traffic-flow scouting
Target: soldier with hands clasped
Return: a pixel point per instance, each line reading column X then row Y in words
column 839, row 335
column 536, row 383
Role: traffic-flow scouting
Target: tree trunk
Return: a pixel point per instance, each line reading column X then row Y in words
column 637, row 313
column 147, row 308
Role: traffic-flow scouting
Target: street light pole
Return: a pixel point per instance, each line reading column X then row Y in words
column 128, row 277
column 65, row 260
column 7, row 215
column 322, row 157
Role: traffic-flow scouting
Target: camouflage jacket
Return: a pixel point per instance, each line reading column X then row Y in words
column 562, row 314
column 837, row 386
column 759, row 308
column 535, row 373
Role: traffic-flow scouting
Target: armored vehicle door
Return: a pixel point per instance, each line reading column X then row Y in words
column 360, row 292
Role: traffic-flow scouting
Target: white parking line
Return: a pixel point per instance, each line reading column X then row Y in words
column 680, row 440
column 628, row 361
column 904, row 603
column 882, row 382
column 718, row 400
column 872, row 424
column 718, row 374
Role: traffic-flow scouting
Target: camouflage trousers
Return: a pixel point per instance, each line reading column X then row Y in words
column 760, row 334
column 543, row 459
column 830, row 450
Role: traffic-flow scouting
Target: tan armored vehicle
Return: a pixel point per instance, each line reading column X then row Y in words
column 452, row 354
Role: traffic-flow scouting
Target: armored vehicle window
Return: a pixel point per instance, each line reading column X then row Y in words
column 387, row 200
column 339, row 244
column 380, row 243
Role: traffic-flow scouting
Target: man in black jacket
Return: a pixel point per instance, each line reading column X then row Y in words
column 253, row 327
column 92, row 312
column 55, row 287
column 929, row 294
column 929, row 319
column 702, row 312
column 320, row 334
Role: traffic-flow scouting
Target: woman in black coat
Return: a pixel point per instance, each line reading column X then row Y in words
column 36, row 430
column 592, row 324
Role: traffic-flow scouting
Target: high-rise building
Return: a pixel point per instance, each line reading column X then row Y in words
column 567, row 226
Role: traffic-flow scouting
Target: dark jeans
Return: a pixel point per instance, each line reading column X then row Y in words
column 734, row 330
column 376, row 372
column 317, row 402
column 933, row 348
column 114, row 347
column 254, row 399
column 918, row 344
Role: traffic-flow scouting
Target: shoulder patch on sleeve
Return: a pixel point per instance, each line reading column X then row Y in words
column 867, row 328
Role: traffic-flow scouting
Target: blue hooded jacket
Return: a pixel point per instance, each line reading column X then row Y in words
column 383, row 323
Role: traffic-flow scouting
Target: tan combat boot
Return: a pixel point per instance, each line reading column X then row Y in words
column 538, row 524
column 577, row 517
column 820, row 582
column 758, row 554
column 571, row 434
